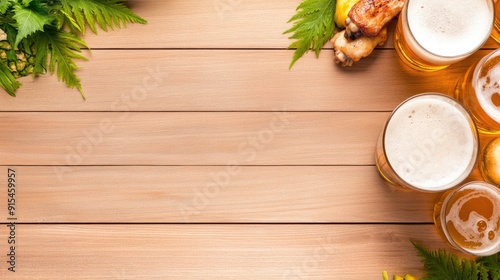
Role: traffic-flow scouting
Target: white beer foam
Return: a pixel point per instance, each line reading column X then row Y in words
column 449, row 28
column 486, row 87
column 469, row 228
column 429, row 142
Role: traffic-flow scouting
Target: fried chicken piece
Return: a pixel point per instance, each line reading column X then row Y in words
column 368, row 17
column 349, row 51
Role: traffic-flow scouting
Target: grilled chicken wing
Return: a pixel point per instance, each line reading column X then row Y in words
column 368, row 17
column 349, row 51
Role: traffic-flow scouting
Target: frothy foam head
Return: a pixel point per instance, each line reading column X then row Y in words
column 486, row 83
column 473, row 218
column 450, row 28
column 429, row 142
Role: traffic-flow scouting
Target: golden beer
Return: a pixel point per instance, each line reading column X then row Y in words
column 432, row 34
column 490, row 162
column 496, row 29
column 469, row 218
column 478, row 91
column 429, row 143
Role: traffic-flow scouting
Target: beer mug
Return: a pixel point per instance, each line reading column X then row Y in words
column 432, row 34
column 495, row 34
column 489, row 164
column 468, row 217
column 478, row 91
column 429, row 143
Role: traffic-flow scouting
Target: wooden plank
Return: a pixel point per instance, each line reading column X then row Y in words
column 159, row 138
column 210, row 24
column 222, row 80
column 213, row 194
column 203, row 24
column 215, row 251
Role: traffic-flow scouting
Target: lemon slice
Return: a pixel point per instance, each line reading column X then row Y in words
column 342, row 8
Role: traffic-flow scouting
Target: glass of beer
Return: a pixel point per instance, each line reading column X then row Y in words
column 429, row 143
column 478, row 90
column 489, row 164
column 469, row 218
column 496, row 29
column 433, row 34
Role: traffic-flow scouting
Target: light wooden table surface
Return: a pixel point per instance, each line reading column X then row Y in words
column 199, row 155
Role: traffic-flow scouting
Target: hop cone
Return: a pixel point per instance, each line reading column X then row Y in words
column 19, row 61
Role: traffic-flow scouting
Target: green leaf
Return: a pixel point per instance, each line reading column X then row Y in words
column 59, row 48
column 492, row 263
column 103, row 13
column 26, row 3
column 48, row 33
column 11, row 32
column 41, row 56
column 442, row 265
column 7, row 80
column 313, row 27
column 4, row 6
column 28, row 22
column 73, row 25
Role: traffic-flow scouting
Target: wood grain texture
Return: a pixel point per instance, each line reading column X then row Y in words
column 214, row 194
column 203, row 24
column 232, row 80
column 217, row 251
column 162, row 138
column 210, row 24
column 199, row 155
